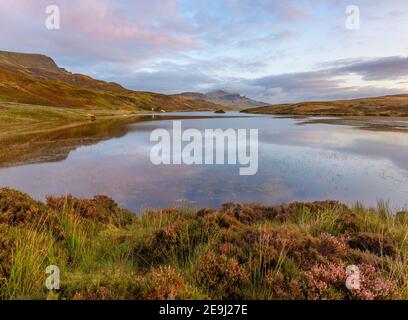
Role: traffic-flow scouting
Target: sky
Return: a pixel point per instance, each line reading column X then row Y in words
column 269, row 50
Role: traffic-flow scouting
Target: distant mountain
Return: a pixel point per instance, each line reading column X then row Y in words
column 37, row 79
column 393, row 105
column 232, row 101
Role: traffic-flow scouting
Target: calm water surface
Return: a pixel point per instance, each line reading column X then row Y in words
column 296, row 162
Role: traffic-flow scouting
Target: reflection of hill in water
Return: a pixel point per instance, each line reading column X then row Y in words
column 296, row 163
column 56, row 145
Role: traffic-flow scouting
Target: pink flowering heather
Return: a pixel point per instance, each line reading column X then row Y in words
column 328, row 281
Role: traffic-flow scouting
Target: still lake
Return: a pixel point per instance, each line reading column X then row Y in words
column 296, row 163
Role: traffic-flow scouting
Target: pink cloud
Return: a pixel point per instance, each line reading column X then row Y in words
column 136, row 30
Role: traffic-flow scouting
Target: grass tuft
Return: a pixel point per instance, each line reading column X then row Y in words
column 242, row 251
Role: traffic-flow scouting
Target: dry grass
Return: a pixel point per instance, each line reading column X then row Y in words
column 387, row 106
column 295, row 251
column 37, row 80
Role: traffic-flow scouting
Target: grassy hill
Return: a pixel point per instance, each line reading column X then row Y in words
column 396, row 105
column 36, row 79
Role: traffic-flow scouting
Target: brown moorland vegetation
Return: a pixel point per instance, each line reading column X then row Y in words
column 386, row 106
column 242, row 251
column 37, row 80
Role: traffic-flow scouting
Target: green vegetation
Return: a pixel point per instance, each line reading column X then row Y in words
column 30, row 133
column 39, row 102
column 16, row 119
column 387, row 106
column 37, row 80
column 295, row 251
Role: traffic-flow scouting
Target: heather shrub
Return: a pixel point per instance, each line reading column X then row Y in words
column 222, row 221
column 19, row 208
column 248, row 213
column 331, row 247
column 328, row 281
column 222, row 277
column 108, row 285
column 378, row 244
column 281, row 287
column 300, row 247
column 100, row 209
column 243, row 251
column 165, row 283
column 175, row 242
column 6, row 247
column 365, row 257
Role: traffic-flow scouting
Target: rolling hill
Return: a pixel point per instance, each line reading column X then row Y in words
column 394, row 105
column 232, row 101
column 37, row 80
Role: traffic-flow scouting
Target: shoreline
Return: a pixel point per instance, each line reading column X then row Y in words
column 27, row 130
column 371, row 123
column 40, row 141
column 383, row 124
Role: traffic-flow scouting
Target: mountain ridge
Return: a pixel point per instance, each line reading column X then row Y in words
column 234, row 101
column 36, row 79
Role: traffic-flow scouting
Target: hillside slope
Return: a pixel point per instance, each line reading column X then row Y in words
column 36, row 79
column 233, row 101
column 396, row 105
